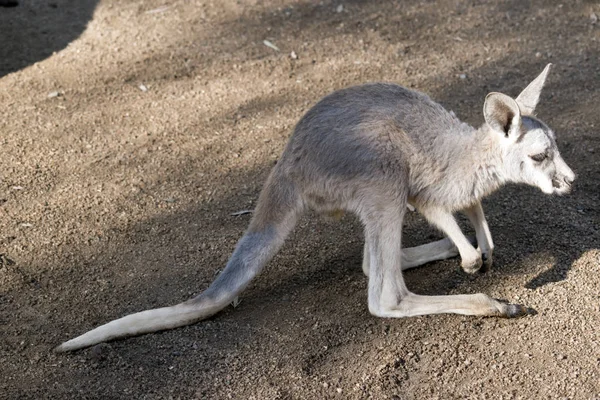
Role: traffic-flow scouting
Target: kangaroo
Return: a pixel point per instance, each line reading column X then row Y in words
column 373, row 150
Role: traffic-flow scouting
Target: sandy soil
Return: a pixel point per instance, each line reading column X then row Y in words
column 131, row 130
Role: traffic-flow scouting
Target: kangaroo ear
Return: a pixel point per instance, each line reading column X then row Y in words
column 502, row 113
column 530, row 96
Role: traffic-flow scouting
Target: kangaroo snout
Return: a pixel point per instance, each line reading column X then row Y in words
column 563, row 184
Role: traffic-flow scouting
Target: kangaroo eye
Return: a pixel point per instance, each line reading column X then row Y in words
column 539, row 157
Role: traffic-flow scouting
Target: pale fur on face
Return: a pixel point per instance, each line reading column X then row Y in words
column 529, row 151
column 535, row 140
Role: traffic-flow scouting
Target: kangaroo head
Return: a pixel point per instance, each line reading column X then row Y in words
column 530, row 154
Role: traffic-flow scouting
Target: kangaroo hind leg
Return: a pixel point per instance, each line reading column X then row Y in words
column 388, row 294
column 416, row 256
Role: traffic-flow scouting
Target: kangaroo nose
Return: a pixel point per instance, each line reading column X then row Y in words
column 568, row 181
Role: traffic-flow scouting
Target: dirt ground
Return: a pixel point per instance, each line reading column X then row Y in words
column 130, row 131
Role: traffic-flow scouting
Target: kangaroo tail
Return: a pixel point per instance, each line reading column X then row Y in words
column 275, row 216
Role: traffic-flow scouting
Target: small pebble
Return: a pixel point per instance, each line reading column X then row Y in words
column 54, row 94
column 340, row 8
column 463, row 76
column 270, row 45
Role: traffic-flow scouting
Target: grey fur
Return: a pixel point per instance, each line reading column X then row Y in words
column 373, row 150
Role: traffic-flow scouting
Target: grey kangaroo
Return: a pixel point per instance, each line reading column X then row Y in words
column 373, row 150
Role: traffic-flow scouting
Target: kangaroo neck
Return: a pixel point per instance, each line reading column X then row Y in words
column 486, row 157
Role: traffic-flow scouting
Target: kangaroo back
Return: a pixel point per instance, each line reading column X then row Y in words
column 275, row 216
